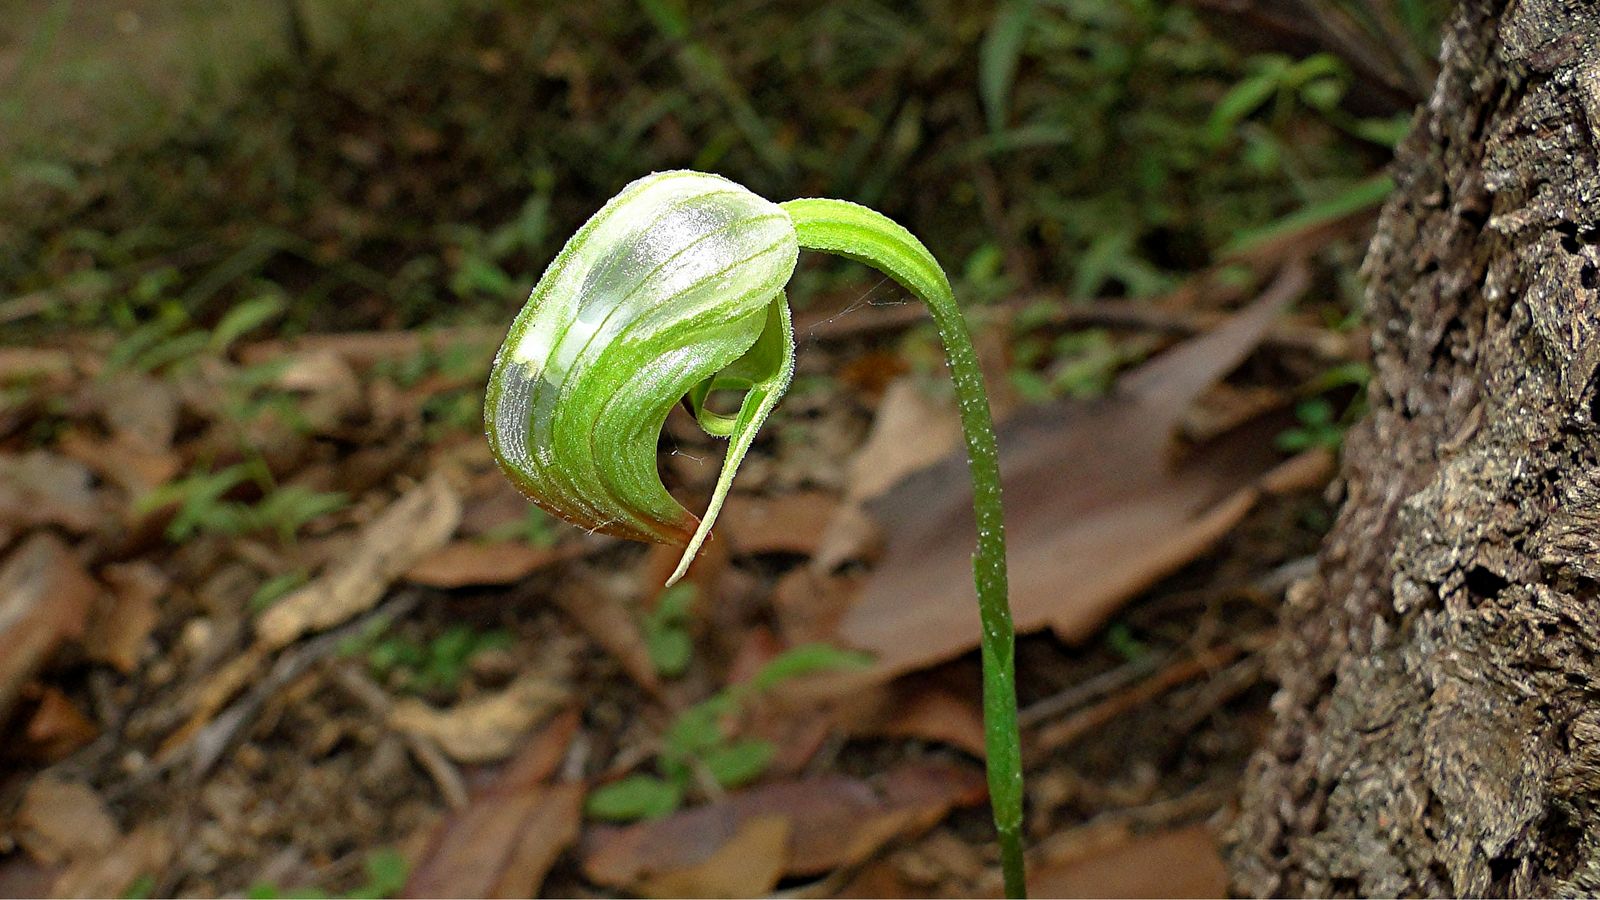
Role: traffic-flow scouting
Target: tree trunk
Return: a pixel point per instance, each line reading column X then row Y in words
column 1437, row 727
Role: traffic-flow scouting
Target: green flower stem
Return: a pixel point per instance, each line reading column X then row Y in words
column 858, row 233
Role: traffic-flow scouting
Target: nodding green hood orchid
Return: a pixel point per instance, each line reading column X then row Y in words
column 672, row 291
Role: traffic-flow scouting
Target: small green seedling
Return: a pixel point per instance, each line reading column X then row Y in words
column 698, row 748
column 203, row 509
column 438, row 664
column 673, row 292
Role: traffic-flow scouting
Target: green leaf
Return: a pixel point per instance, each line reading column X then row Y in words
column 1243, row 99
column 243, row 319
column 740, row 762
column 386, row 869
column 698, row 728
column 274, row 589
column 634, row 797
column 670, row 651
column 998, row 57
column 1353, row 199
column 807, row 659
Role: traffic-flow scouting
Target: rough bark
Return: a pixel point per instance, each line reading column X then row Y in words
column 1437, row 729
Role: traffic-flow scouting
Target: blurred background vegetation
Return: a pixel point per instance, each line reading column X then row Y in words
column 386, row 165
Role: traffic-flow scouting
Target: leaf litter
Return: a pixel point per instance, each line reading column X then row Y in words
column 209, row 657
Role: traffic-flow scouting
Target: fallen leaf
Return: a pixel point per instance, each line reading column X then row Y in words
column 21, row 876
column 748, row 865
column 413, row 526
column 132, row 467
column 1180, row 863
column 912, row 429
column 483, row 729
column 56, row 727
column 466, row 563
column 603, row 616
column 940, row 716
column 145, row 852
column 500, row 845
column 45, row 597
column 122, row 621
column 780, row 523
column 42, row 488
column 834, row 821
column 1097, row 507
column 63, row 820
column 503, row 842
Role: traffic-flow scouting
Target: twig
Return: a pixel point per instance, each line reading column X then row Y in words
column 1065, row 732
column 209, row 744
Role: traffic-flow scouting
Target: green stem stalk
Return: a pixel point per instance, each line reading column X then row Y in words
column 855, row 232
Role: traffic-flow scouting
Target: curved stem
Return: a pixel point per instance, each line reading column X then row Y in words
column 855, row 232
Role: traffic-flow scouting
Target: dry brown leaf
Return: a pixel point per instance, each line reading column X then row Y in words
column 938, row 715
column 504, row 841
column 834, row 821
column 501, row 845
column 1180, row 863
column 42, row 488
column 60, row 821
column 55, row 728
column 1096, row 507
column 781, row 523
column 483, row 729
column 45, row 596
column 467, row 563
column 120, row 461
column 607, row 620
column 146, row 851
column 21, row 876
column 913, row 428
column 122, row 621
column 418, row 523
column 748, row 865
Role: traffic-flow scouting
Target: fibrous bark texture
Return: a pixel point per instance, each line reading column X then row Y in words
column 1437, row 727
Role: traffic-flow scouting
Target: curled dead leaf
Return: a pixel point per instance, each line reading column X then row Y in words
column 413, row 526
column 483, row 729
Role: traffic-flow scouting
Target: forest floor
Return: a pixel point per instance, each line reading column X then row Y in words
column 275, row 624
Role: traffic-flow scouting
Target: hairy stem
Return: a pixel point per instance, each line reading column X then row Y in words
column 855, row 232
